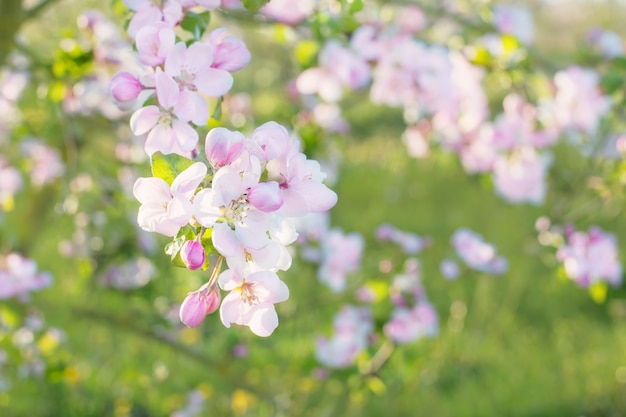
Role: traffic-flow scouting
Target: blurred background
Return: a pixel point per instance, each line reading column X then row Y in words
column 104, row 338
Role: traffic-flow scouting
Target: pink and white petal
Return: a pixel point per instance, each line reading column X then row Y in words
column 148, row 217
column 167, row 90
column 263, row 320
column 276, row 290
column 229, row 310
column 174, row 60
column 319, row 197
column 167, row 228
column 213, row 82
column 145, row 16
column 192, row 107
column 144, row 119
column 252, row 236
column 294, row 204
column 186, row 136
column 267, row 257
column 186, row 183
column 225, row 241
column 172, row 13
column 207, row 207
column 199, row 56
column 152, row 191
column 227, row 183
column 230, row 279
column 179, row 211
column 160, row 139
column 309, row 81
column 330, row 88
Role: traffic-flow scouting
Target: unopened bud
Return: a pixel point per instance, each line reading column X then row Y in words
column 125, row 87
column 192, row 254
column 223, row 146
column 198, row 304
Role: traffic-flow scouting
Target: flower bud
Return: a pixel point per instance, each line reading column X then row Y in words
column 266, row 196
column 192, row 254
column 198, row 304
column 125, row 87
column 223, row 146
column 231, row 54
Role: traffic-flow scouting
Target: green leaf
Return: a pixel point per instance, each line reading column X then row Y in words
column 196, row 23
column 167, row 167
column 254, row 5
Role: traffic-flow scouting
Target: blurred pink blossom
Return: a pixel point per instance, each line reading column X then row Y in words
column 591, row 257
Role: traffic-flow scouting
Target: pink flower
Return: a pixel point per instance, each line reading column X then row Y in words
column 191, row 68
column 352, row 327
column 167, row 124
column 149, row 12
column 339, row 67
column 476, row 253
column 579, row 103
column 341, row 255
column 154, row 43
column 125, row 87
column 192, row 254
column 521, row 176
column 18, row 277
column 289, row 12
column 408, row 325
column 231, row 54
column 46, row 162
column 166, row 209
column 251, row 300
column 199, row 304
column 591, row 257
column 10, row 182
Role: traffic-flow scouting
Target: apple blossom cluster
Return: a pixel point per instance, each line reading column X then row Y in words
column 352, row 329
column 19, row 277
column 590, row 257
column 442, row 94
column 236, row 207
column 477, row 254
column 412, row 317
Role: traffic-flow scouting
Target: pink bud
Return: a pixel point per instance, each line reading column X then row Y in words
column 198, row 304
column 223, row 146
column 266, row 196
column 192, row 254
column 125, row 87
column 231, row 54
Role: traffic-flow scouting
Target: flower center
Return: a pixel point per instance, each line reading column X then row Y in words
column 247, row 293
